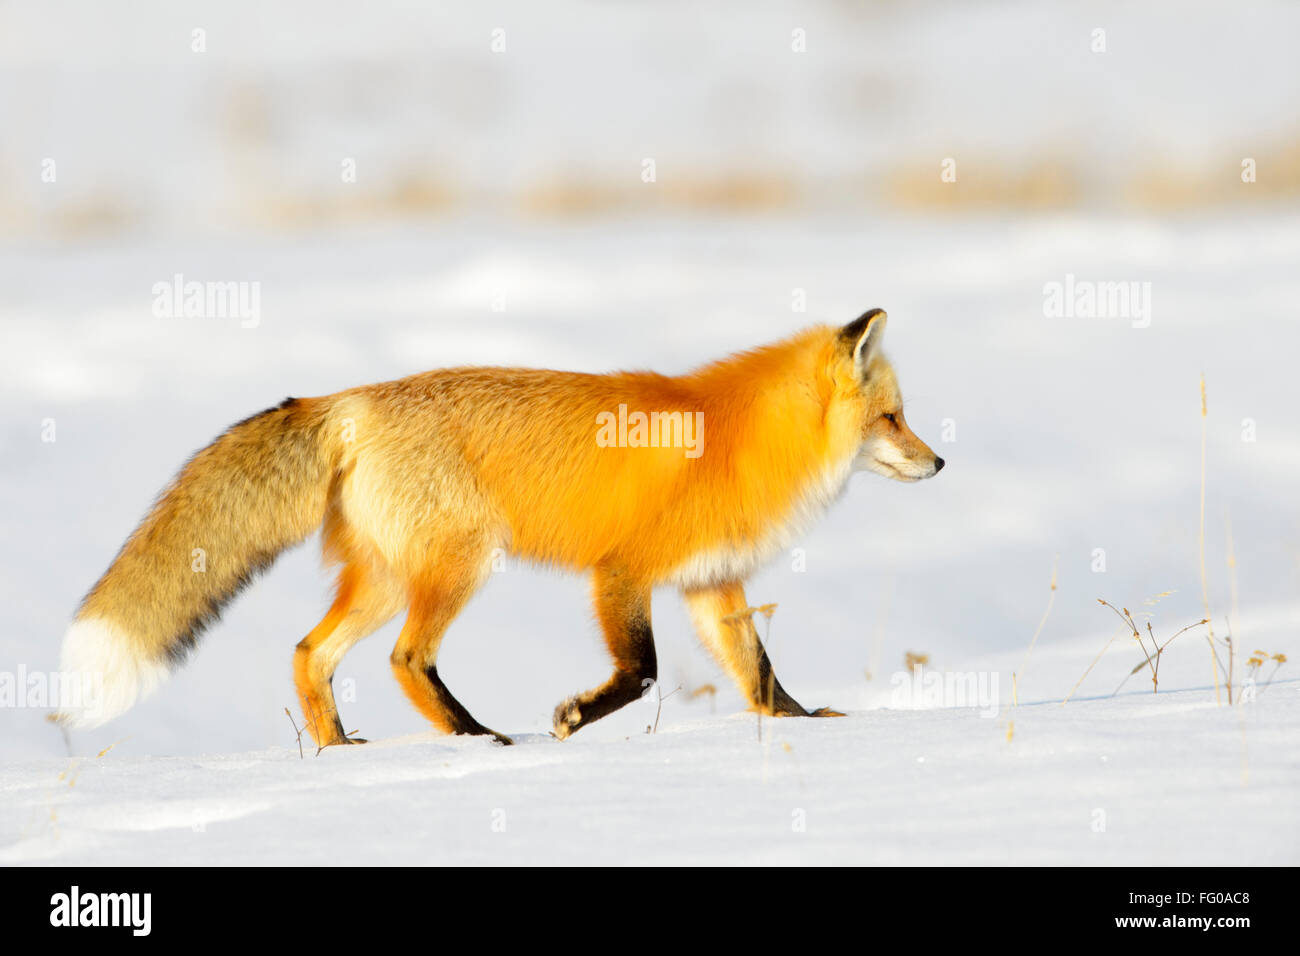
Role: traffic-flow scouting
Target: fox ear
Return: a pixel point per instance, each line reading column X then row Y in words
column 861, row 338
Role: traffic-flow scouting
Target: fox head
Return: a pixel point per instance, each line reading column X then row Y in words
column 889, row 447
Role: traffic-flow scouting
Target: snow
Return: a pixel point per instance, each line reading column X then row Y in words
column 1071, row 434
column 1139, row 778
column 1072, row 443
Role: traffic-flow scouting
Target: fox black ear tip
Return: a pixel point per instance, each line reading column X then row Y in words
column 875, row 314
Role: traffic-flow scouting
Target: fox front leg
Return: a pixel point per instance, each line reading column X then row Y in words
column 734, row 641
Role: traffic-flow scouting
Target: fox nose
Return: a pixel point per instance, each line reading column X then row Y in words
column 938, row 464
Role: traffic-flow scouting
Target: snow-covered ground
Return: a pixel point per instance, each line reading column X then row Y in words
column 1112, row 781
column 1069, row 435
column 499, row 215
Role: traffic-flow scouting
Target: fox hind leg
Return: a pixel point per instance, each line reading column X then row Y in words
column 734, row 642
column 437, row 597
column 366, row 600
column 623, row 609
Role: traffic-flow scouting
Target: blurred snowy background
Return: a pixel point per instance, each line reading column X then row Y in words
column 417, row 187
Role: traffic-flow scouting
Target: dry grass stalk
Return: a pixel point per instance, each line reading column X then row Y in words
column 1205, row 581
column 1090, row 667
column 913, row 660
column 1015, row 677
column 1232, row 586
column 1256, row 662
column 743, row 617
column 660, row 697
column 297, row 732
column 705, row 690
column 1149, row 659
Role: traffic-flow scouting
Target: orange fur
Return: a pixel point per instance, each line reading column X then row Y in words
column 420, row 481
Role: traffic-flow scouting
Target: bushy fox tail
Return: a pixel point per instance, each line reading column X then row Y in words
column 260, row 488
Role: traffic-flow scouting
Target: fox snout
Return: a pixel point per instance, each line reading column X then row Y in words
column 888, row 458
column 892, row 449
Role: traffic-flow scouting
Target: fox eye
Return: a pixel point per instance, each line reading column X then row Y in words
column 891, row 418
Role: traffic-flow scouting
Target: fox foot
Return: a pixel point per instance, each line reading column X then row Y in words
column 478, row 730
column 797, row 711
column 568, row 718
column 339, row 740
column 472, row 728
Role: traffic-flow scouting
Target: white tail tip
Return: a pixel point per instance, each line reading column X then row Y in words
column 102, row 674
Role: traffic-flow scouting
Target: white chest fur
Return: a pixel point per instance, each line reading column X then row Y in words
column 736, row 562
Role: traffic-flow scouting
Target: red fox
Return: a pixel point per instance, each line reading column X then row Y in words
column 417, row 484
